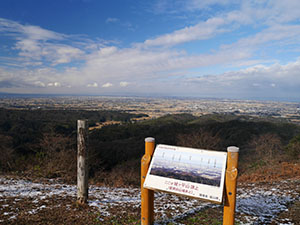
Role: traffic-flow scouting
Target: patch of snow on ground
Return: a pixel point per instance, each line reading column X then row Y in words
column 255, row 204
column 261, row 204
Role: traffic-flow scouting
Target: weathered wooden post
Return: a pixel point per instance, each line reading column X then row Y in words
column 82, row 162
column 230, row 185
column 147, row 196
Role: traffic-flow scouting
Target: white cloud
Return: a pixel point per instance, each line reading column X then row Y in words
column 267, row 12
column 273, row 81
column 272, row 12
column 256, row 13
column 179, row 7
column 107, row 85
column 53, row 53
column 193, row 5
column 39, row 84
column 38, row 33
column 37, row 43
column 55, row 84
column 136, row 64
column 94, row 85
column 124, row 84
column 15, row 29
column 201, row 31
column 276, row 34
column 112, row 20
column 64, row 53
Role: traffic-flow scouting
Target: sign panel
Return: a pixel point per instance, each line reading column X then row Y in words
column 187, row 171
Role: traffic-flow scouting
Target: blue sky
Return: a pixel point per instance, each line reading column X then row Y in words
column 201, row 48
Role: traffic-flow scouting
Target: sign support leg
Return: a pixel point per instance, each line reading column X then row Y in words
column 230, row 185
column 147, row 196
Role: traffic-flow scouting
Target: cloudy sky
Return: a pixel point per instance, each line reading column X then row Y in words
column 201, row 48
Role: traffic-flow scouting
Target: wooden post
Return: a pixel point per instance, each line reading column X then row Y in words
column 147, row 196
column 82, row 162
column 230, row 185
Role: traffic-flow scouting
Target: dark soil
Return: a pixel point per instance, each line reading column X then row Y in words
column 50, row 211
column 64, row 210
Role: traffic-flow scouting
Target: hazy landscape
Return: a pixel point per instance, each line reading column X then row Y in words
column 156, row 107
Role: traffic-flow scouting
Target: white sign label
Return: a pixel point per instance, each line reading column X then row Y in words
column 192, row 172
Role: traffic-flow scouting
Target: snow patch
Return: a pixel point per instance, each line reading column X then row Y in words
column 256, row 204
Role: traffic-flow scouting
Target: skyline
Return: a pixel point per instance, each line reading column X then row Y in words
column 179, row 48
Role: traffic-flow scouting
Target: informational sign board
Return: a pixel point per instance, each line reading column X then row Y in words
column 187, row 171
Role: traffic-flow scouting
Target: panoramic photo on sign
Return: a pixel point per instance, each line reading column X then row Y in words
column 192, row 172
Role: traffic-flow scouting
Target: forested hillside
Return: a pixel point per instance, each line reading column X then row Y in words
column 43, row 142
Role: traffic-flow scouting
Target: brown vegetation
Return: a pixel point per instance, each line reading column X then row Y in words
column 57, row 157
column 267, row 160
column 267, row 146
column 43, row 144
column 56, row 212
column 200, row 139
column 293, row 148
column 272, row 172
column 7, row 154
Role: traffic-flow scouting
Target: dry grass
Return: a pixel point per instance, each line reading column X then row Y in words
column 7, row 153
column 126, row 174
column 57, row 158
column 200, row 139
column 272, row 172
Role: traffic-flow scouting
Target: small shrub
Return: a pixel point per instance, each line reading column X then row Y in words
column 125, row 174
column 6, row 159
column 200, row 139
column 57, row 158
column 7, row 154
column 293, row 148
column 267, row 146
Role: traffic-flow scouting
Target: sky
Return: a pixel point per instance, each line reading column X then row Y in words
column 186, row 48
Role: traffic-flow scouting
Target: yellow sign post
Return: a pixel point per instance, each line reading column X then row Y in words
column 147, row 195
column 230, row 185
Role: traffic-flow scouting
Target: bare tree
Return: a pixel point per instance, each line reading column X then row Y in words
column 267, row 146
column 7, row 153
column 57, row 156
column 199, row 139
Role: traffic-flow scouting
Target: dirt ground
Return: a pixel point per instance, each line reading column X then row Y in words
column 293, row 213
column 59, row 209
column 75, row 214
column 51, row 211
